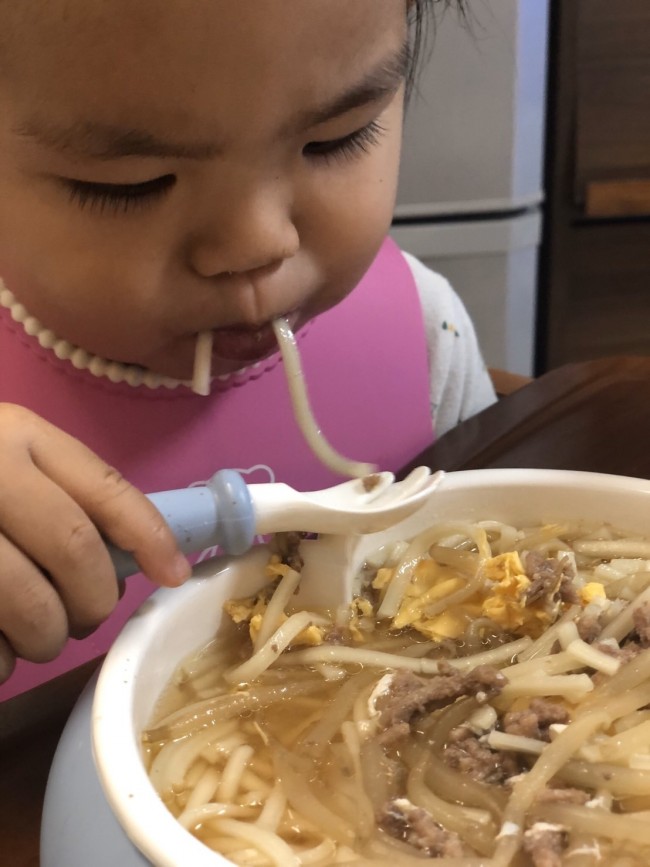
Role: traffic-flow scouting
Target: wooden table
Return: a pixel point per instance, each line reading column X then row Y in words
column 593, row 416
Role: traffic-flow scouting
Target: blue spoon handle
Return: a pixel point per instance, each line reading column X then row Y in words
column 218, row 513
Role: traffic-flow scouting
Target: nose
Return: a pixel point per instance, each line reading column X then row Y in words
column 245, row 231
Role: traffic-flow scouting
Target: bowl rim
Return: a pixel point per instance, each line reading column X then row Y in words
column 132, row 797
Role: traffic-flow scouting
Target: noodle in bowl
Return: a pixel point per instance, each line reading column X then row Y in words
column 173, row 624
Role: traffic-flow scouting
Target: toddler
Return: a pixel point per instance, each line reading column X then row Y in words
column 175, row 167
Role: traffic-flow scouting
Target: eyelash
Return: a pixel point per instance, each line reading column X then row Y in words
column 348, row 147
column 118, row 198
column 123, row 198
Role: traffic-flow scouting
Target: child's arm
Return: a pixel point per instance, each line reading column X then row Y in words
column 56, row 577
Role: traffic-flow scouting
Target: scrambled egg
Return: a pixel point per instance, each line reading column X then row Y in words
column 506, row 599
column 592, row 591
column 362, row 618
column 428, row 604
column 251, row 609
column 502, row 597
column 430, row 584
column 247, row 609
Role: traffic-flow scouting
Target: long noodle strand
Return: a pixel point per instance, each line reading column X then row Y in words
column 303, row 412
column 272, row 617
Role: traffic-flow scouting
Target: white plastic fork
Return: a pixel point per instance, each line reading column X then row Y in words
column 228, row 513
column 359, row 506
column 331, row 574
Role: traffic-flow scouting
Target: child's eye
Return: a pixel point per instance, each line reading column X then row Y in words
column 349, row 146
column 118, row 198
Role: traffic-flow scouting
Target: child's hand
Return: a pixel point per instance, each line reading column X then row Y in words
column 56, row 577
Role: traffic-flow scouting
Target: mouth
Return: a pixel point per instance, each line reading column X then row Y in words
column 244, row 343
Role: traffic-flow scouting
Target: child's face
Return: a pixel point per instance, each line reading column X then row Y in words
column 174, row 166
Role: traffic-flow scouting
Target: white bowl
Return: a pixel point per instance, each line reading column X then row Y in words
column 173, row 623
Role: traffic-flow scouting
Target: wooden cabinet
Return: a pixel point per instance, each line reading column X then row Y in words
column 595, row 279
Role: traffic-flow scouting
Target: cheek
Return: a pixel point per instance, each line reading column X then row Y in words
column 81, row 295
column 354, row 217
column 80, row 281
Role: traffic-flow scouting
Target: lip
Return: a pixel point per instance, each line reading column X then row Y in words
column 243, row 343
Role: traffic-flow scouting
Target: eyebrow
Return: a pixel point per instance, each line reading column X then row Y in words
column 101, row 141
column 104, row 141
column 379, row 82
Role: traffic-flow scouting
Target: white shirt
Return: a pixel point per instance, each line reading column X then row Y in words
column 459, row 381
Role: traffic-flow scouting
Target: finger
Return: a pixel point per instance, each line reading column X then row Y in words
column 119, row 509
column 32, row 617
column 7, row 659
column 54, row 532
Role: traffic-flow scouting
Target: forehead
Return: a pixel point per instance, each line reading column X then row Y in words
column 159, row 62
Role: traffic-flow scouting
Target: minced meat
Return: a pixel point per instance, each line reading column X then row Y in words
column 545, row 844
column 287, row 547
column 468, row 754
column 418, row 828
column 534, row 721
column 641, row 619
column 409, row 695
column 625, row 653
column 589, row 627
column 550, row 578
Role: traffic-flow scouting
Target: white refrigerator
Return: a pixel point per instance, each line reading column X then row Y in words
column 470, row 195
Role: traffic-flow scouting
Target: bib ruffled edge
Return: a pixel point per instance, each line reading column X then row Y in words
column 102, row 368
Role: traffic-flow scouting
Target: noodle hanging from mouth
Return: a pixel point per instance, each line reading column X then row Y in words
column 201, row 375
column 326, row 454
column 302, row 410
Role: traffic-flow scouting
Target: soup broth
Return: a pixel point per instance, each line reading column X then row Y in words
column 485, row 701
